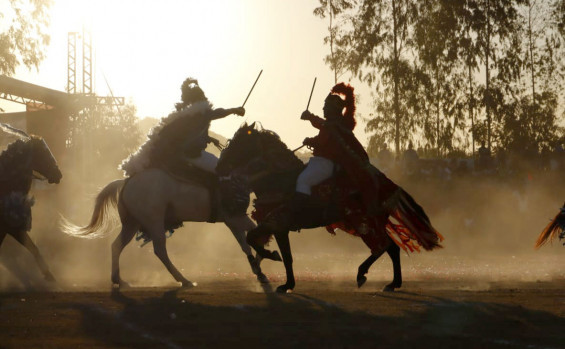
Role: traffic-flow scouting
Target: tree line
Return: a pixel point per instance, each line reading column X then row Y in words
column 449, row 75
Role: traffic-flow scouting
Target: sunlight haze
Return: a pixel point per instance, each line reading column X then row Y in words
column 145, row 49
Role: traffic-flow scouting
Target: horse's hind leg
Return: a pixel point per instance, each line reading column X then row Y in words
column 24, row 239
column 364, row 269
column 125, row 236
column 376, row 252
column 394, row 254
column 160, row 249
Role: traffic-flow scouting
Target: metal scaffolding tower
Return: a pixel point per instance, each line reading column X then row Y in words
column 72, row 63
column 87, row 67
column 86, row 62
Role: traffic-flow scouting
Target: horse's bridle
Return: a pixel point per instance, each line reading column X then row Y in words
column 243, row 169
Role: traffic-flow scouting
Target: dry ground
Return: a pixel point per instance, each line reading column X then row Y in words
column 233, row 313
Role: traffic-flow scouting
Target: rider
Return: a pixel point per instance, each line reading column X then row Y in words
column 189, row 128
column 321, row 165
column 336, row 144
column 182, row 136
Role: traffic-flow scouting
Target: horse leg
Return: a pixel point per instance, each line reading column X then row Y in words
column 253, row 237
column 124, row 237
column 160, row 249
column 239, row 225
column 364, row 269
column 394, row 254
column 284, row 245
column 24, row 239
column 375, row 245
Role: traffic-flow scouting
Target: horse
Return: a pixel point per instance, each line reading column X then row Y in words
column 555, row 228
column 154, row 201
column 23, row 160
column 271, row 170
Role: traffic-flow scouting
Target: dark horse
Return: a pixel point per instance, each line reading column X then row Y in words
column 272, row 169
column 25, row 159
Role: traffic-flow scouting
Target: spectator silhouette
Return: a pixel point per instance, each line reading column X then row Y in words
column 484, row 158
column 385, row 158
column 410, row 160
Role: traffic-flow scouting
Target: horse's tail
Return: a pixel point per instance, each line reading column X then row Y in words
column 412, row 228
column 553, row 229
column 99, row 222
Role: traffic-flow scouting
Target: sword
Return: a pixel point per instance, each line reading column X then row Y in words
column 252, row 88
column 309, row 99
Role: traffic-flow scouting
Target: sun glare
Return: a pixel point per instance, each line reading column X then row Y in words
column 167, row 33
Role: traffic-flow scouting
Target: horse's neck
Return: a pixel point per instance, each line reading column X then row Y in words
column 21, row 184
column 281, row 180
column 15, row 171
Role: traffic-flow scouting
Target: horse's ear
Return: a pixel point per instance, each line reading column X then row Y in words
column 252, row 126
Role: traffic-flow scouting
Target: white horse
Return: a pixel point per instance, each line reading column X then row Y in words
column 149, row 201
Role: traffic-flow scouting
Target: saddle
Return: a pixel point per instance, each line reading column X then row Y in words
column 228, row 197
column 335, row 199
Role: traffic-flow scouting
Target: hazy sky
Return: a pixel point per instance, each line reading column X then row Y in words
column 147, row 48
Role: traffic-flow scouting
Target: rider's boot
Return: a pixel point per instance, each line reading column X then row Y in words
column 308, row 212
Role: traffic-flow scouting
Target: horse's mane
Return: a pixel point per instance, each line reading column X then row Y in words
column 11, row 163
column 274, row 149
column 141, row 159
column 273, row 144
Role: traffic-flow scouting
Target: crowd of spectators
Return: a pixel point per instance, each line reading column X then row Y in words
column 414, row 165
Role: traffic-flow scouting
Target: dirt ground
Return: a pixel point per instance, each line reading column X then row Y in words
column 320, row 313
column 487, row 288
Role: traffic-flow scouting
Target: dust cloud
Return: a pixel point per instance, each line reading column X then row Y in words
column 489, row 224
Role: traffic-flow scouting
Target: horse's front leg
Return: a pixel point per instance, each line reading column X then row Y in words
column 24, row 239
column 284, row 245
column 239, row 226
column 257, row 238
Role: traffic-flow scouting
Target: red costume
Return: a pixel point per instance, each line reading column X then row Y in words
column 381, row 198
column 336, row 142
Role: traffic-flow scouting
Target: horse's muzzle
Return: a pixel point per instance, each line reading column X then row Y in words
column 56, row 179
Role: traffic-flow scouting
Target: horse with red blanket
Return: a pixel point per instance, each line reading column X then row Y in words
column 386, row 220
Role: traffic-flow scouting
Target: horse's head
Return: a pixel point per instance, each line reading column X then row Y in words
column 242, row 148
column 43, row 161
column 255, row 152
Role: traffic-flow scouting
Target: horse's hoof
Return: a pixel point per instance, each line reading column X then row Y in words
column 390, row 288
column 284, row 289
column 188, row 284
column 121, row 285
column 262, row 278
column 272, row 255
column 361, row 281
column 276, row 256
